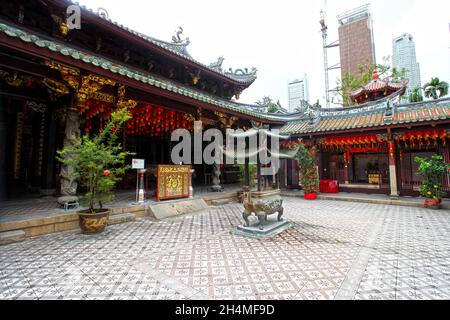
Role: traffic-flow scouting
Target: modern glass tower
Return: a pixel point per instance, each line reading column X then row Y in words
column 298, row 91
column 404, row 57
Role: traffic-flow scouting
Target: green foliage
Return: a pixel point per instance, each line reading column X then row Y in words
column 252, row 168
column 436, row 89
column 432, row 172
column 317, row 104
column 308, row 171
column 272, row 108
column 350, row 82
column 416, row 95
column 270, row 104
column 99, row 162
column 396, row 75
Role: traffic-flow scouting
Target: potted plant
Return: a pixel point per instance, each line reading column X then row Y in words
column 98, row 163
column 308, row 173
column 432, row 172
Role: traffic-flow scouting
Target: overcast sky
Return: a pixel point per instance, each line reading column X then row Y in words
column 282, row 38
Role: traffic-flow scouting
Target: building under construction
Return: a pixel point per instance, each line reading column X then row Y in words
column 356, row 39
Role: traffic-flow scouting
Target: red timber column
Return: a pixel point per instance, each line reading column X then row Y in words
column 346, row 166
column 392, row 170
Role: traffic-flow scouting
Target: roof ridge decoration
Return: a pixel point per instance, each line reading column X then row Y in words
column 218, row 64
column 391, row 109
column 179, row 48
column 241, row 72
column 177, row 38
column 314, row 116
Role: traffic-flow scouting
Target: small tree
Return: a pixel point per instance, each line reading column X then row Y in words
column 432, row 172
column 308, row 172
column 436, row 89
column 99, row 162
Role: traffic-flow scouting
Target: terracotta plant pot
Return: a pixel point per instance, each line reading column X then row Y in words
column 432, row 204
column 310, row 196
column 93, row 223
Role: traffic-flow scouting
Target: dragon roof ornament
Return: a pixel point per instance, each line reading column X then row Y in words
column 178, row 39
column 242, row 74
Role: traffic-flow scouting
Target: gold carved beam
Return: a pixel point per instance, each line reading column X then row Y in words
column 225, row 120
column 85, row 87
column 90, row 85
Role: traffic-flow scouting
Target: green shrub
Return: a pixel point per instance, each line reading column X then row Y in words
column 432, row 172
column 308, row 172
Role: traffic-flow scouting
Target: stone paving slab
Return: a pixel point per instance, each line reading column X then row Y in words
column 335, row 250
column 416, row 202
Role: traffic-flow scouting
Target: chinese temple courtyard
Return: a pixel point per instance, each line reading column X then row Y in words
column 335, row 250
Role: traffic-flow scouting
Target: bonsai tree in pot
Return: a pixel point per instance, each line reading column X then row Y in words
column 98, row 164
column 432, row 172
column 309, row 177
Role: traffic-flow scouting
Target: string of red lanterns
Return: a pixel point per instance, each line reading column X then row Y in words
column 147, row 120
column 423, row 137
column 155, row 121
column 344, row 142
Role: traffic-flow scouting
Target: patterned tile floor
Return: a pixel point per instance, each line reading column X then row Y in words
column 28, row 207
column 335, row 250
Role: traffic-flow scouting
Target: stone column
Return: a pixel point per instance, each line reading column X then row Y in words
column 392, row 171
column 68, row 184
column 216, row 187
column 2, row 151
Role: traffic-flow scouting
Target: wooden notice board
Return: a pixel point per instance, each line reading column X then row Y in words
column 173, row 182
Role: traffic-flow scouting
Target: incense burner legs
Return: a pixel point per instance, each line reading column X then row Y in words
column 262, row 206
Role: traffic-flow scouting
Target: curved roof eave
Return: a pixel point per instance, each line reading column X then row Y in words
column 146, row 78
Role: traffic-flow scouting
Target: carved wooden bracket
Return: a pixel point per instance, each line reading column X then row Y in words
column 226, row 121
column 195, row 76
column 122, row 102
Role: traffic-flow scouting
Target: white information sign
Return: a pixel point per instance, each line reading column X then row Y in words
column 138, row 164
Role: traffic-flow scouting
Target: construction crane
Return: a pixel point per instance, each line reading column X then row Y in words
column 326, row 46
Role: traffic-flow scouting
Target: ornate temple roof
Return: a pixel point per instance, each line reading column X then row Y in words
column 377, row 88
column 129, row 72
column 179, row 46
column 385, row 112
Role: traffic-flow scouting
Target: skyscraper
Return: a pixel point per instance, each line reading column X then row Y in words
column 298, row 91
column 404, row 57
column 356, row 39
